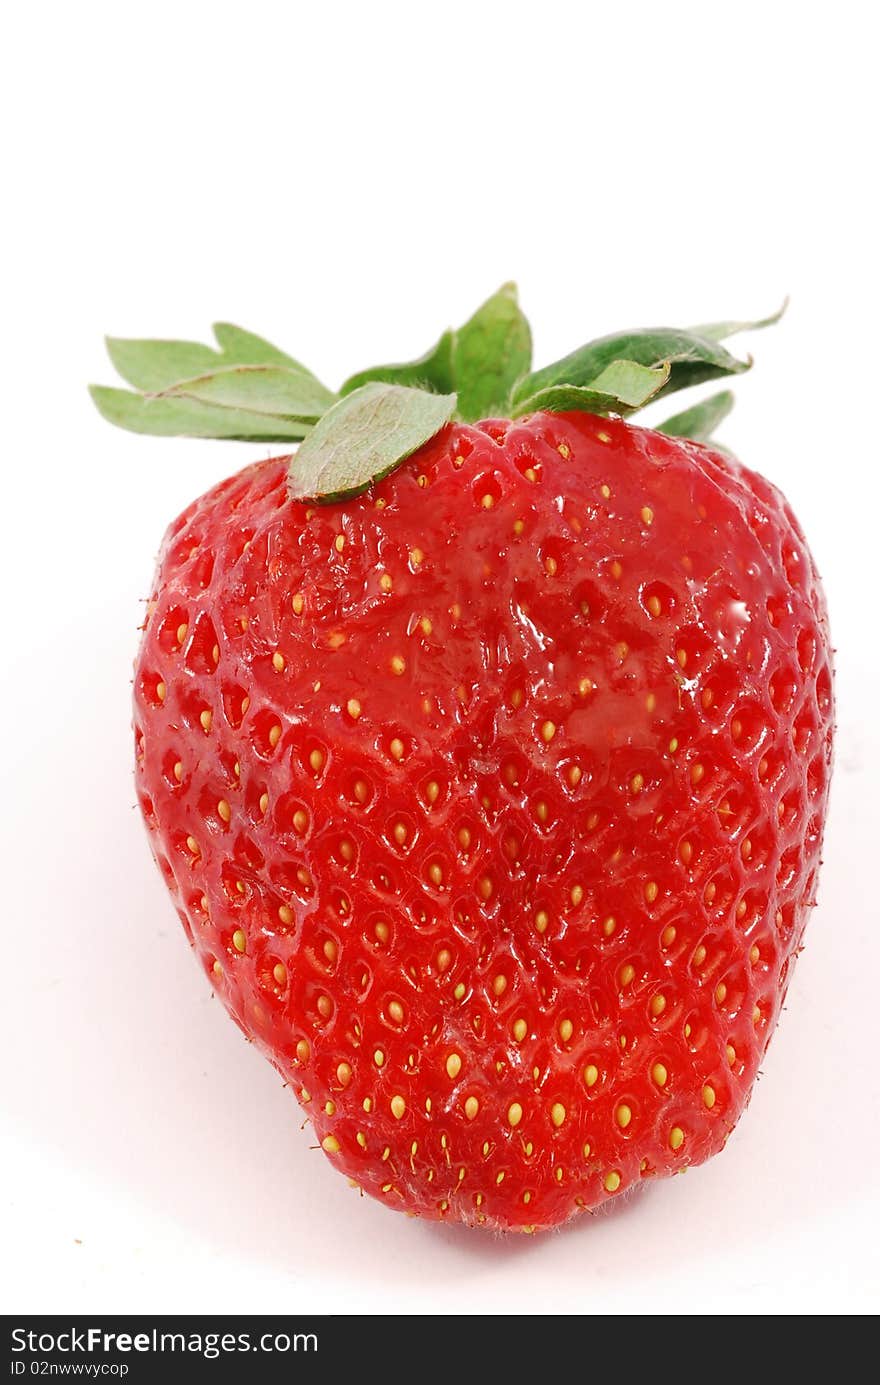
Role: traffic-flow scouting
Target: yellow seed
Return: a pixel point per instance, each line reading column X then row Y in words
column 697, row 772
column 514, row 1114
column 436, row 874
column 264, row 802
column 353, row 707
column 557, row 1113
column 530, row 474
column 178, row 771
column 330, row 950
column 279, row 971
column 720, row 993
column 298, row 603
column 577, row 894
column 637, row 783
column 339, row 542
column 623, row 1115
column 566, row 1029
column 651, row 891
column 708, row 1097
column 609, row 926
column 673, row 745
column 239, row 941
column 655, row 608
column 659, row 1074
column 325, row 1006
column 386, row 582
column 300, row 820
column 487, row 501
column 378, row 1058
column 382, row 931
column 626, row 973
column 460, row 991
column 416, row 557
column 453, row 1065
column 368, row 1104
column 676, row 1137
column 206, row 717
column 397, row 748
column 616, row 570
column 542, row 920
column 485, row 887
column 330, row 1108
column 471, row 1107
column 551, row 567
column 667, row 937
column 658, row 1005
column 647, row 514
column 274, row 735
column 303, row 1050
column 316, row 760
column 285, row 913
column 548, row 731
column 343, row 1074
column 218, row 967
column 398, row 1107
column 361, row 1139
column 193, row 846
column 731, row 1054
column 278, row 661
column 395, row 1011
column 754, row 953
column 612, row 1181
column 519, row 1030
column 398, row 664
column 223, row 810
column 591, row 1074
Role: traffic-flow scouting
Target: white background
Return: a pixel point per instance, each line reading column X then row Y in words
column 347, row 180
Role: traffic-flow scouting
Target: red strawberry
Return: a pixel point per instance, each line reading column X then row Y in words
column 492, row 799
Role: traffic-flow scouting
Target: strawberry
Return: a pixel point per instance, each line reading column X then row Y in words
column 486, row 762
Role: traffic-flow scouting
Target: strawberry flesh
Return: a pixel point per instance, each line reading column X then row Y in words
column 492, row 800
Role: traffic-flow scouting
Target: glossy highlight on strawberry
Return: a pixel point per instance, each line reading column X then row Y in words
column 491, row 799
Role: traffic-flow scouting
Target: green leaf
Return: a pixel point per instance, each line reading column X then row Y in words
column 699, row 421
column 691, row 360
column 718, row 331
column 432, row 371
column 491, row 352
column 364, row 437
column 239, row 347
column 167, row 416
column 261, row 389
column 154, row 365
column 623, row 387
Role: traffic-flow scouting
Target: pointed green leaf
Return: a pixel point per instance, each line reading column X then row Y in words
column 239, row 347
column 717, row 331
column 364, row 437
column 622, row 387
column 261, row 389
column 167, row 416
column 492, row 351
column 432, row 371
column 699, row 421
column 691, row 360
column 154, row 365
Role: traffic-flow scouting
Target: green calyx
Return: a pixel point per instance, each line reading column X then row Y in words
column 246, row 389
